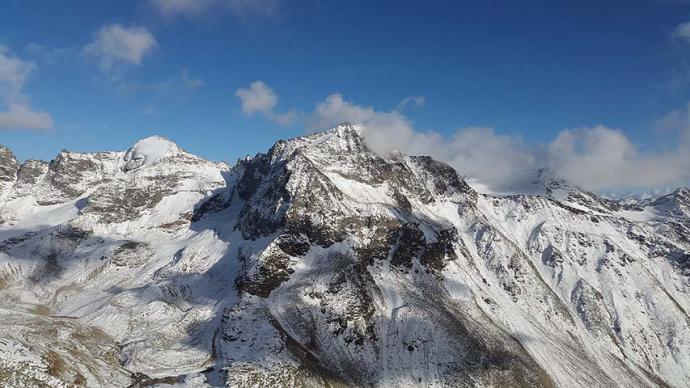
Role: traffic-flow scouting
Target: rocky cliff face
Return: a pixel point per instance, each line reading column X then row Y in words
column 321, row 263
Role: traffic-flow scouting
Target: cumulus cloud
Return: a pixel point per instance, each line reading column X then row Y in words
column 191, row 8
column 18, row 115
column 116, row 45
column 600, row 157
column 497, row 160
column 259, row 98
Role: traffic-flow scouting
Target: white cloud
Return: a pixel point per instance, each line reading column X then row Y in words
column 261, row 99
column 599, row 158
column 115, row 45
column 22, row 117
column 257, row 98
column 682, row 31
column 492, row 158
column 18, row 115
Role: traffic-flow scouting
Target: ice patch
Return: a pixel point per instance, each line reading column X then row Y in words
column 145, row 152
column 322, row 139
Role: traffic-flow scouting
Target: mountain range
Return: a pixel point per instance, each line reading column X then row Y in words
column 322, row 263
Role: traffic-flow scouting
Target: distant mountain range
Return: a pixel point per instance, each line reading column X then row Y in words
column 321, row 263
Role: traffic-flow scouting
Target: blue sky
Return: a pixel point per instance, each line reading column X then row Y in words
column 97, row 75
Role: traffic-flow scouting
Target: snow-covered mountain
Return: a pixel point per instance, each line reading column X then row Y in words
column 321, row 263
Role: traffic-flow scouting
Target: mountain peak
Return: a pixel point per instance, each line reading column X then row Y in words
column 344, row 128
column 682, row 191
column 340, row 140
column 344, row 131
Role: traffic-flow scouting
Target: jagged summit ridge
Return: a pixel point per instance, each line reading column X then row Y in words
column 345, row 138
column 322, row 263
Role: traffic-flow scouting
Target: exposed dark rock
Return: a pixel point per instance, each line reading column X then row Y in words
column 272, row 270
column 8, row 165
column 293, row 244
column 551, row 257
column 409, row 245
column 119, row 204
column 444, row 178
column 681, row 261
column 31, row 171
column 130, row 254
column 214, row 204
column 264, row 191
column 71, row 174
column 438, row 252
column 381, row 241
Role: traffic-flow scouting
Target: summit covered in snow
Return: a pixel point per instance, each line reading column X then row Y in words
column 322, row 263
column 146, row 151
